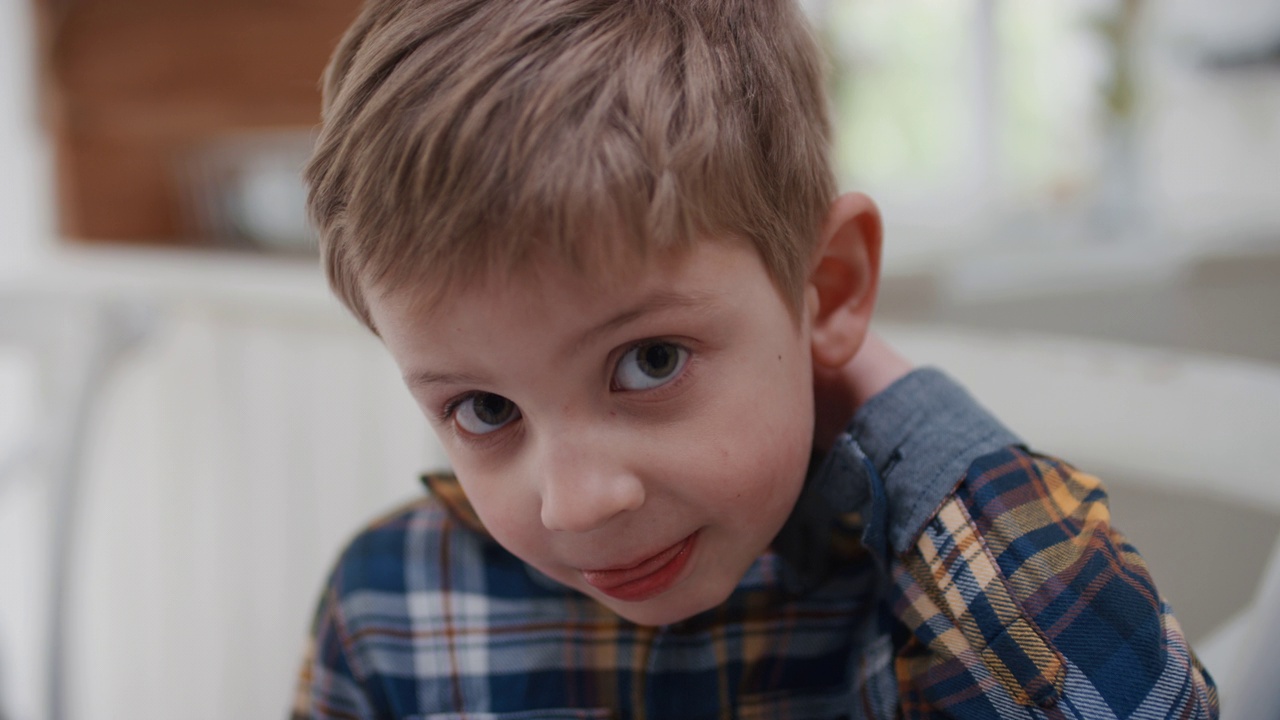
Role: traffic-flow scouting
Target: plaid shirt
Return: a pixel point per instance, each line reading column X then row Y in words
column 932, row 568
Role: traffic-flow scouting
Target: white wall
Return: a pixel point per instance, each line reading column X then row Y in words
column 26, row 225
column 26, row 198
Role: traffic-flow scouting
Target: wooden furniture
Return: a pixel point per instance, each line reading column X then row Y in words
column 135, row 88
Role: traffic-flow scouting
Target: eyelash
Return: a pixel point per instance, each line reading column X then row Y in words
column 451, row 406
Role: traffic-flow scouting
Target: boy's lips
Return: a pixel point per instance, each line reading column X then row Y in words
column 644, row 579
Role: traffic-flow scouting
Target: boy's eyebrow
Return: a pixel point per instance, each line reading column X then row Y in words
column 654, row 302
column 423, row 378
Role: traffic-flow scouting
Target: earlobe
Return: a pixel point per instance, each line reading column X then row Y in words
column 844, row 279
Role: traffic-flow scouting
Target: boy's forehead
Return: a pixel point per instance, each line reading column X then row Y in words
column 615, row 289
column 623, row 272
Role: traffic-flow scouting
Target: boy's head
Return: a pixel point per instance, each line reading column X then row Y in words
column 601, row 240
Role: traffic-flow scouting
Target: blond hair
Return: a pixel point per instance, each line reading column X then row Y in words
column 463, row 137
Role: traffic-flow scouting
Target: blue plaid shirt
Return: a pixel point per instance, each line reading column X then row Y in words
column 932, row 568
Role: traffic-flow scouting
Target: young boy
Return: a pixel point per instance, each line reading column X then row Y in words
column 602, row 241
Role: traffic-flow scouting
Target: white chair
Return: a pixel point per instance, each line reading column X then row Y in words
column 77, row 343
column 1245, row 653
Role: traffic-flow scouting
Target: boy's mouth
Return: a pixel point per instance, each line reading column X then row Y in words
column 645, row 579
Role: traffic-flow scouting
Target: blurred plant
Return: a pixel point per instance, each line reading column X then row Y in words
column 1118, row 30
column 1118, row 205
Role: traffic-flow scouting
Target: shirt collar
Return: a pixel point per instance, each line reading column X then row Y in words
column 444, row 487
column 823, row 529
column 899, row 457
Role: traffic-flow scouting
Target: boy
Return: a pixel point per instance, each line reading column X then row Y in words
column 602, row 242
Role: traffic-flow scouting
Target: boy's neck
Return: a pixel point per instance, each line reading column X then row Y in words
column 839, row 392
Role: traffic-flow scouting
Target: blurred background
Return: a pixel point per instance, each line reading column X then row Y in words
column 1082, row 201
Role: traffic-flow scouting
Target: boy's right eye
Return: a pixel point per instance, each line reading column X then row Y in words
column 483, row 413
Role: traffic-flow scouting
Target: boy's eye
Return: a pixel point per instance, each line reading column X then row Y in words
column 649, row 365
column 482, row 413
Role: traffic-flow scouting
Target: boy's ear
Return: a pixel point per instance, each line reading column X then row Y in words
column 844, row 278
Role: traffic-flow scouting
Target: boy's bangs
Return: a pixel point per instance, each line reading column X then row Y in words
column 601, row 212
column 565, row 162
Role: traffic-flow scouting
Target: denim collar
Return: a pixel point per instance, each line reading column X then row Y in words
column 900, row 456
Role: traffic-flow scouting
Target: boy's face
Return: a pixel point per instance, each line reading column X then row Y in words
column 640, row 439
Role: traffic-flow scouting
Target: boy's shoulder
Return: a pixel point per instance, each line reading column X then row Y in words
column 376, row 557
column 409, row 547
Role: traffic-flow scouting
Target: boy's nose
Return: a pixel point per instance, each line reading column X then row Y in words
column 583, row 489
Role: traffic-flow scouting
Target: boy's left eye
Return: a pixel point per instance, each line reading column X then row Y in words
column 649, row 365
column 483, row 413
